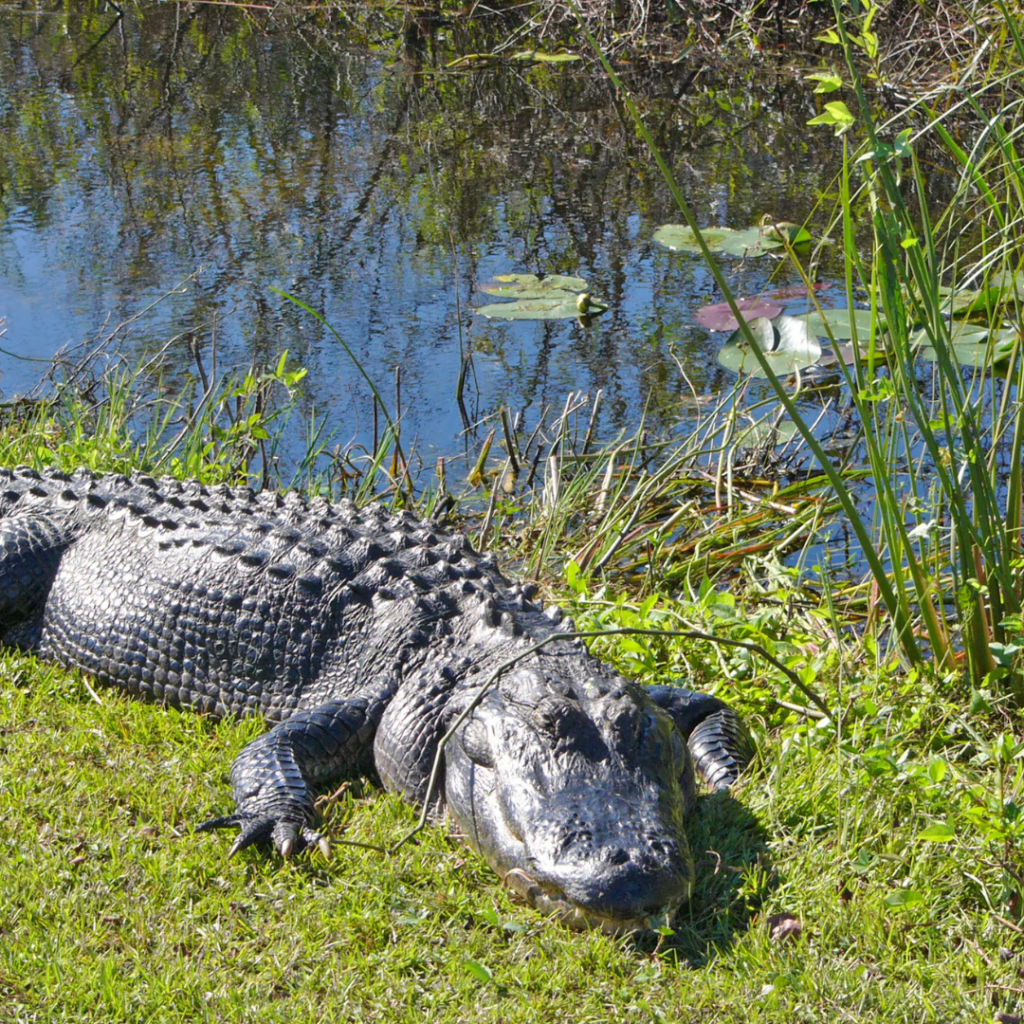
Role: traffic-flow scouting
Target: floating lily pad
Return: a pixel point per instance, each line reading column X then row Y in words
column 718, row 317
column 843, row 352
column 680, row 238
column 964, row 301
column 841, row 322
column 533, row 309
column 962, row 334
column 971, row 345
column 750, row 243
column 1010, row 282
column 551, row 297
column 747, row 243
column 785, row 341
column 532, row 286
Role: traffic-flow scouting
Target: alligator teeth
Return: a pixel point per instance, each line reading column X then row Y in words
column 558, row 907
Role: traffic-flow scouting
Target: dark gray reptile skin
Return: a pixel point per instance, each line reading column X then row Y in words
column 361, row 635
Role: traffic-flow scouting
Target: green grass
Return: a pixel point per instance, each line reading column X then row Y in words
column 113, row 909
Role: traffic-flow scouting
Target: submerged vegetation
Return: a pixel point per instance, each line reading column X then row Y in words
column 872, row 866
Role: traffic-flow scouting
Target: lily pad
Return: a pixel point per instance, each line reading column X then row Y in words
column 750, row 243
column 841, row 322
column 961, row 334
column 964, row 301
column 718, row 317
column 785, row 341
column 972, row 346
column 1010, row 282
column 747, row 243
column 532, row 286
column 554, row 308
column 844, row 352
column 551, row 297
column 679, row 238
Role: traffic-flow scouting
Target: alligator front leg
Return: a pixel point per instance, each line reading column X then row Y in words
column 274, row 778
column 717, row 738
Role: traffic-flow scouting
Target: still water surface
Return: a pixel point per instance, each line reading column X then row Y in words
column 239, row 154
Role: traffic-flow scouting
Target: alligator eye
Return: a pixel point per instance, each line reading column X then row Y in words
column 550, row 715
column 546, row 720
column 476, row 742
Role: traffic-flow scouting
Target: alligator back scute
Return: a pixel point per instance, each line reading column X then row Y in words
column 244, row 614
column 223, row 618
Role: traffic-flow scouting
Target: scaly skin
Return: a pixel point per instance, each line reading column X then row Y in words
column 361, row 635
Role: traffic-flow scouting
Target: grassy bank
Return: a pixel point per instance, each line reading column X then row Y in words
column 113, row 909
column 888, row 830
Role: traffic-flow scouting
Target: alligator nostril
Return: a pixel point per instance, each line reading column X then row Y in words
column 618, row 856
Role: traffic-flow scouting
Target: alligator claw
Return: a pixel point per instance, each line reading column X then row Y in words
column 288, row 836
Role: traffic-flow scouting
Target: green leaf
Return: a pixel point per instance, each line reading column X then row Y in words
column 532, row 286
column 836, row 113
column 1004, row 653
column 572, row 577
column 750, row 242
column 555, row 308
column 747, row 243
column 970, row 345
column 545, row 58
column 964, row 301
column 904, row 899
column 786, row 231
column 481, row 973
column 938, row 833
column 679, row 237
column 841, row 322
column 1012, row 284
column 840, row 111
column 829, row 81
column 785, row 341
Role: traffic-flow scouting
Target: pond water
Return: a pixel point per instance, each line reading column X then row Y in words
column 171, row 168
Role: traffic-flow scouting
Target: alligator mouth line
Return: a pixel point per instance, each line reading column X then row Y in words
column 555, row 904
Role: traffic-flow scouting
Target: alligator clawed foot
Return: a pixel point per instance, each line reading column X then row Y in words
column 289, row 837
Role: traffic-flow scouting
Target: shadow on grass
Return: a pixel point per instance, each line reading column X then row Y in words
column 734, row 874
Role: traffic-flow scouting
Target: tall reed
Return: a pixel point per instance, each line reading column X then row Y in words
column 945, row 540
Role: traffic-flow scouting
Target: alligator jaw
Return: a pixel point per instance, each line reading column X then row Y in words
column 557, row 906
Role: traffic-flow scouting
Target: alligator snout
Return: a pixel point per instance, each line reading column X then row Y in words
column 621, row 866
column 620, row 891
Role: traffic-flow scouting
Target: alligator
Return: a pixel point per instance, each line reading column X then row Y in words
column 363, row 636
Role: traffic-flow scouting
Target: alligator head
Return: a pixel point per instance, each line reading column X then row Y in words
column 576, row 794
